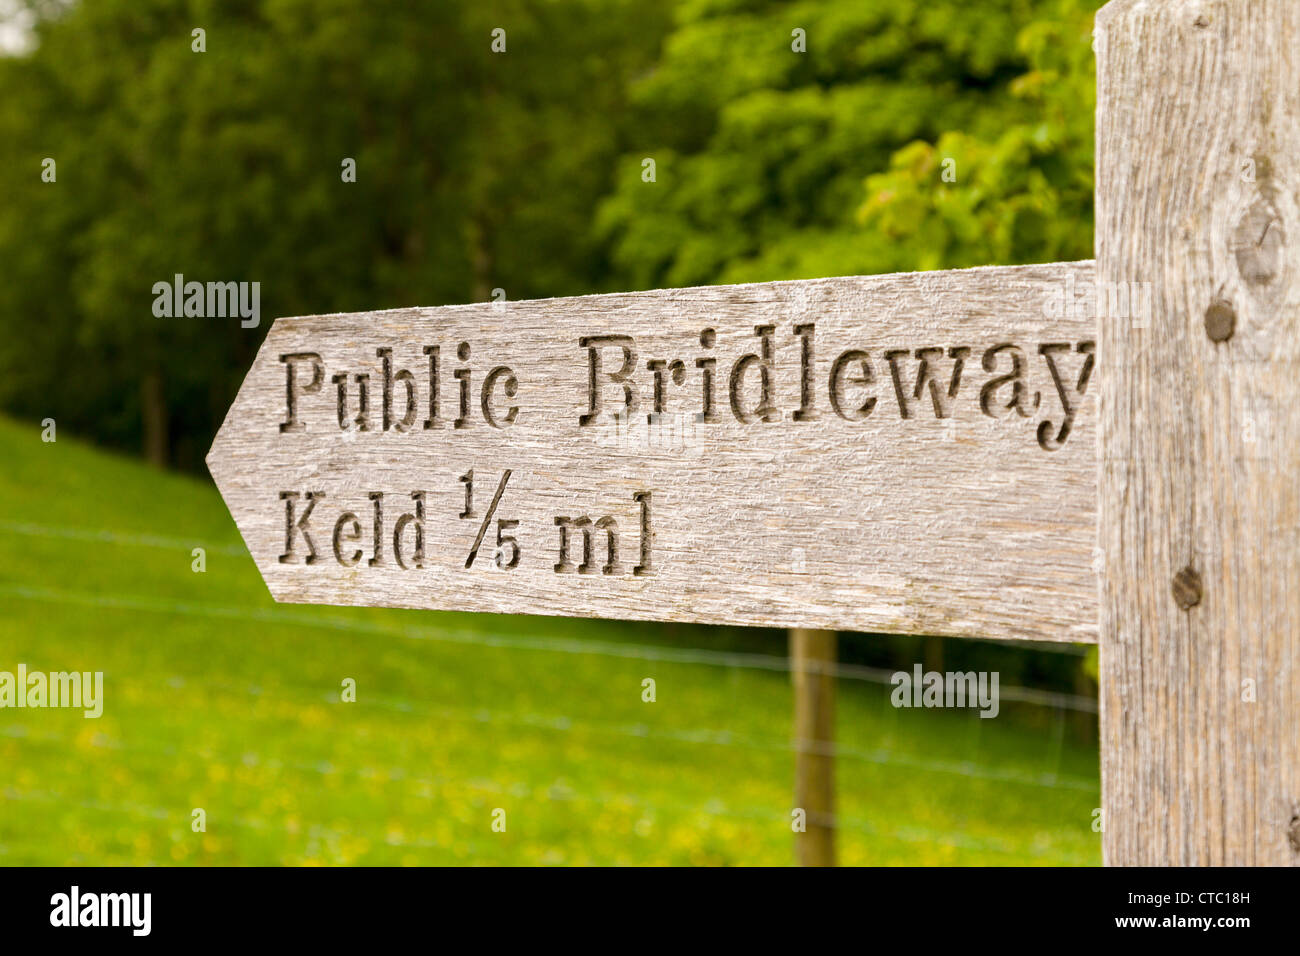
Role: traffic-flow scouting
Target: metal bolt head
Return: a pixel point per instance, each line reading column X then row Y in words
column 1220, row 321
column 1187, row 588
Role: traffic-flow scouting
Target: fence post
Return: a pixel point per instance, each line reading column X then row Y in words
column 812, row 660
column 1197, row 188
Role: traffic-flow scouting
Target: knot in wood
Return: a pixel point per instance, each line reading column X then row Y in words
column 1258, row 239
column 1220, row 321
column 1187, row 588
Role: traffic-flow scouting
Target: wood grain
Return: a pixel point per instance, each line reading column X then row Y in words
column 963, row 526
column 1198, row 167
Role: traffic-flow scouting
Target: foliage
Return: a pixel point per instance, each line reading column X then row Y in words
column 762, row 151
column 1022, row 195
column 226, row 165
column 475, row 171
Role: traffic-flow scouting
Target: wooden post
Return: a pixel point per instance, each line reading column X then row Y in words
column 1198, row 204
column 812, row 659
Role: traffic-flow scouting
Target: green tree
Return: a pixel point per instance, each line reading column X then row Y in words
column 761, row 150
column 475, row 170
column 1023, row 194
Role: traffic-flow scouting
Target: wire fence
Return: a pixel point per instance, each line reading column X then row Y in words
column 714, row 808
column 555, row 723
column 711, row 736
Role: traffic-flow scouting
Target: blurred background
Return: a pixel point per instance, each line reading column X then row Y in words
column 140, row 139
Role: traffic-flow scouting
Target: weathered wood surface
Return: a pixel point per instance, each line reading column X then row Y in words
column 980, row 523
column 1198, row 171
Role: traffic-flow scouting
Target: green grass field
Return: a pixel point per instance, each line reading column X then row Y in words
column 217, row 698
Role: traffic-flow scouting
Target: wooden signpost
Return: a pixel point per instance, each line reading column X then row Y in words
column 910, row 453
column 917, row 454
